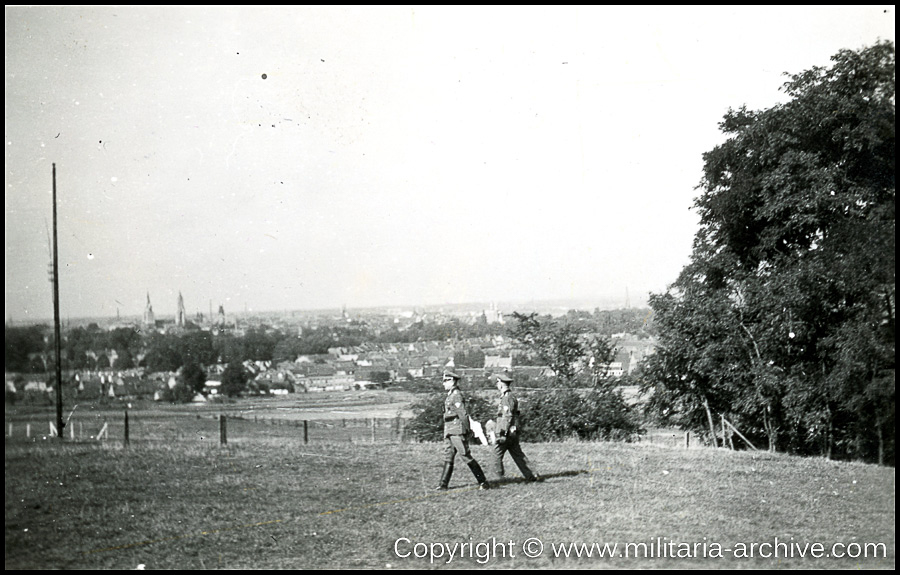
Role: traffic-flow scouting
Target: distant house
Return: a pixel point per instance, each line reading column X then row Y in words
column 344, row 367
column 37, row 385
column 497, row 362
column 533, row 372
column 613, row 369
column 363, row 384
column 473, row 374
column 415, row 367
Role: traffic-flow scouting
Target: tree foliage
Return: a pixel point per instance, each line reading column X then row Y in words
column 20, row 342
column 234, row 379
column 575, row 356
column 783, row 321
column 190, row 382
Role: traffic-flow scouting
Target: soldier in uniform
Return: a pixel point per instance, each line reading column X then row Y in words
column 456, row 433
column 508, row 432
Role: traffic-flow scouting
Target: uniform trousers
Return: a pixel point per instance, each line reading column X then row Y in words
column 454, row 444
column 515, row 450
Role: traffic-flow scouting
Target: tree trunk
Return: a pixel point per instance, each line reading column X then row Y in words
column 771, row 429
column 880, row 444
column 712, row 425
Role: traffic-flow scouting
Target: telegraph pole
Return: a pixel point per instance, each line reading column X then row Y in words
column 59, row 409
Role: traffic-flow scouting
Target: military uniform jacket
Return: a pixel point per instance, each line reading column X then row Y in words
column 507, row 414
column 456, row 418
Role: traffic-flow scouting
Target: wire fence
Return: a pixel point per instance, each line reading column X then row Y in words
column 140, row 427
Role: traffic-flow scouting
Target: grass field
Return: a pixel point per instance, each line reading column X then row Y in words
column 269, row 501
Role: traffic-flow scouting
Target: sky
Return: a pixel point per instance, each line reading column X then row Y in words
column 272, row 158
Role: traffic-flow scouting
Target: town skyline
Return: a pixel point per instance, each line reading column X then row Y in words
column 543, row 307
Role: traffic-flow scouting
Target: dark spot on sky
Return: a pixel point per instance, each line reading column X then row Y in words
column 322, row 59
column 264, row 76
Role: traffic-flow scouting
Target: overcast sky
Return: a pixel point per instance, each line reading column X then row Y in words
column 305, row 158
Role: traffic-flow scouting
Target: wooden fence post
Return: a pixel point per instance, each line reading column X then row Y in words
column 687, row 439
column 741, row 435
column 223, row 430
column 126, row 428
column 305, row 432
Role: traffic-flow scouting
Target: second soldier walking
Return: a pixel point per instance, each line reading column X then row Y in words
column 507, row 431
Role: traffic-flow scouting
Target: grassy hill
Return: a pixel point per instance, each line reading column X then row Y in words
column 275, row 503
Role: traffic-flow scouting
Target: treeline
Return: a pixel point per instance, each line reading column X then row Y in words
column 30, row 349
column 783, row 321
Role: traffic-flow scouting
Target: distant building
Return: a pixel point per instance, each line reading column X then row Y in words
column 149, row 320
column 180, row 315
column 493, row 315
column 496, row 361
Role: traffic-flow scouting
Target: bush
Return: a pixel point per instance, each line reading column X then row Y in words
column 33, row 397
column 595, row 414
column 181, row 393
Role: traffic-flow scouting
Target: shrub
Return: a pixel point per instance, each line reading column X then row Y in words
column 594, row 414
column 181, row 393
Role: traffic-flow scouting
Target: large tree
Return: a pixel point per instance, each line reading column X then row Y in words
column 792, row 272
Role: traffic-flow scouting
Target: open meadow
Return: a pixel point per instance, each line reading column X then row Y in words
column 267, row 499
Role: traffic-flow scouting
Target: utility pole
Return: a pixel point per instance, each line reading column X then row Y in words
column 59, row 409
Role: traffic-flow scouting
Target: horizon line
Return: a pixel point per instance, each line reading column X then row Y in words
column 558, row 302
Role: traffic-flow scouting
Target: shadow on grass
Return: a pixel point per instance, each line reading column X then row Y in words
column 540, row 478
column 517, row 480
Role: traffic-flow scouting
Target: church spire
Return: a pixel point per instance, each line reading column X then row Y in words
column 180, row 316
column 149, row 320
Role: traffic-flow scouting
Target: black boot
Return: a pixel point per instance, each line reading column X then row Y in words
column 479, row 475
column 445, row 476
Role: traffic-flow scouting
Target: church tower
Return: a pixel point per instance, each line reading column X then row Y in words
column 180, row 316
column 149, row 320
